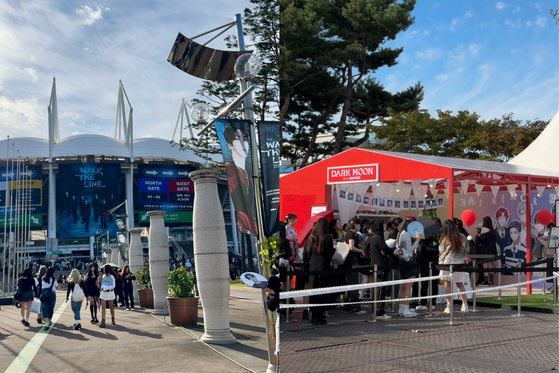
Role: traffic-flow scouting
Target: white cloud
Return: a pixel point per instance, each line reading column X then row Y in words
column 474, row 49
column 541, row 21
column 469, row 14
column 429, row 54
column 89, row 15
column 30, row 72
column 23, row 116
column 513, row 24
column 537, row 5
column 453, row 24
column 442, row 77
column 528, row 23
column 426, row 32
column 517, row 10
column 500, row 5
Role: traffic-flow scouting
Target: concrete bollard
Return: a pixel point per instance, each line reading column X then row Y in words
column 211, row 257
column 135, row 256
column 158, row 260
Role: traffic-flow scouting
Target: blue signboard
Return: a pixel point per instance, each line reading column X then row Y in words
column 167, row 188
column 25, row 190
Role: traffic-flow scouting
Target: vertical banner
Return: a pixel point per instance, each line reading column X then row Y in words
column 86, row 192
column 27, row 193
column 235, row 142
column 167, row 188
column 268, row 135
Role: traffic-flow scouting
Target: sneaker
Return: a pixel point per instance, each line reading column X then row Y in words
column 78, row 326
column 360, row 312
column 409, row 313
column 447, row 309
column 47, row 327
column 384, row 317
column 93, row 321
column 490, row 283
column 96, row 320
column 127, row 309
column 421, row 308
column 39, row 321
column 465, row 307
column 25, row 323
column 483, row 283
column 75, row 327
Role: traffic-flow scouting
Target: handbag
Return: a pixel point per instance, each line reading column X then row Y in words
column 46, row 293
column 18, row 296
column 77, row 294
column 402, row 254
column 342, row 250
column 36, row 306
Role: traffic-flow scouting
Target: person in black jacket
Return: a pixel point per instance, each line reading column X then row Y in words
column 318, row 255
column 92, row 291
column 28, row 290
column 127, row 287
column 485, row 244
column 380, row 254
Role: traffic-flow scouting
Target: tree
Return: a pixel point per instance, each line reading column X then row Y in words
column 463, row 135
column 344, row 39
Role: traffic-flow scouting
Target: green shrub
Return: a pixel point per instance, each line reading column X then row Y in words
column 143, row 279
column 181, row 283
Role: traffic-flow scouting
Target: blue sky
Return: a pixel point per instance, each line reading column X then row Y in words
column 489, row 57
column 88, row 47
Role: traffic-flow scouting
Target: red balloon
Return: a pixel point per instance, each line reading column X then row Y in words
column 544, row 216
column 468, row 217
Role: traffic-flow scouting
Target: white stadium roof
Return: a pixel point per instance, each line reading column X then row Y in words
column 151, row 148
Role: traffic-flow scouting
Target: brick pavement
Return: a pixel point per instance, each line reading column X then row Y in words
column 489, row 341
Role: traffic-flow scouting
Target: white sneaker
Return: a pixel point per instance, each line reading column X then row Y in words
column 447, row 309
column 401, row 310
column 420, row 308
column 465, row 307
column 409, row 313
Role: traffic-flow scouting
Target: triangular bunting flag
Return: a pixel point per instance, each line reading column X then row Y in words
column 464, row 184
column 523, row 187
column 557, row 190
column 399, row 186
column 415, row 185
column 512, row 190
column 387, row 187
column 390, row 191
column 423, row 190
column 406, row 192
column 479, row 189
column 495, row 190
column 446, row 189
column 540, row 189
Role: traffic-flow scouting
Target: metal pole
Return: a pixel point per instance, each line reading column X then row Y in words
column 474, row 288
column 5, row 266
column 518, row 293
column 392, row 295
column 17, row 223
column 451, row 305
column 375, row 294
column 11, row 244
column 268, row 316
column 287, row 310
column 430, row 300
column 555, row 283
column 499, row 266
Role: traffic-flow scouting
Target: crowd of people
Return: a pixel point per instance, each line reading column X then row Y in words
column 378, row 242
column 101, row 287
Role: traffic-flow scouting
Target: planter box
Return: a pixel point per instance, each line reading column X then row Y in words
column 183, row 311
column 146, row 298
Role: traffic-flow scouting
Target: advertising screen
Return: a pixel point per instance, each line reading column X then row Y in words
column 86, row 194
column 25, row 192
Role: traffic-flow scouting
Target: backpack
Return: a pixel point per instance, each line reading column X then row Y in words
column 77, row 294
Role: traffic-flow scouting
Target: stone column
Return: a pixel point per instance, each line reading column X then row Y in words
column 114, row 254
column 158, row 260
column 211, row 258
column 121, row 263
column 135, row 256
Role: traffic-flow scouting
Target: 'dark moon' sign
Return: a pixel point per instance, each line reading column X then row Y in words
column 353, row 174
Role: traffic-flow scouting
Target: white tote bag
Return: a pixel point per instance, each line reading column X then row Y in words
column 36, row 306
column 342, row 250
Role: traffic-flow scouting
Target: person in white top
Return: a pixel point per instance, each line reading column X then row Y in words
column 48, row 285
column 408, row 269
column 108, row 284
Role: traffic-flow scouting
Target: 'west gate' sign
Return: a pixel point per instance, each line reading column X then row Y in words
column 353, row 174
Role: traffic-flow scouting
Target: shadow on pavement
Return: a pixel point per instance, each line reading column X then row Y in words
column 136, row 332
column 99, row 334
column 60, row 332
column 251, row 328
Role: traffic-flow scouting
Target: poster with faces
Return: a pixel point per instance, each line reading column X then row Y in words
column 366, row 200
column 405, row 204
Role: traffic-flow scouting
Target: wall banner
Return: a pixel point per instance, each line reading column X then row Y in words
column 268, row 134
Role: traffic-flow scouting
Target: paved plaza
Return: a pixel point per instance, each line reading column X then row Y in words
column 489, row 341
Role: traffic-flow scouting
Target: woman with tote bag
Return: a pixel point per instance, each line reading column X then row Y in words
column 76, row 285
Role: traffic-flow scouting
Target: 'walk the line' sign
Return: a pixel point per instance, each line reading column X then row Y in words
column 353, row 174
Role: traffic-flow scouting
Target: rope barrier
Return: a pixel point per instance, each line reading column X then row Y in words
column 388, row 283
column 341, row 289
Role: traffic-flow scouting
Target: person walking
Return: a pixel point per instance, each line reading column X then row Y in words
column 454, row 249
column 76, row 285
column 26, row 284
column 48, row 296
column 127, row 287
column 319, row 250
column 380, row 253
column 353, row 239
column 409, row 268
column 39, row 285
column 108, row 284
column 92, row 281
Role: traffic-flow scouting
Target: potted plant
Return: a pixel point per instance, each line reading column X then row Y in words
column 183, row 304
column 145, row 293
